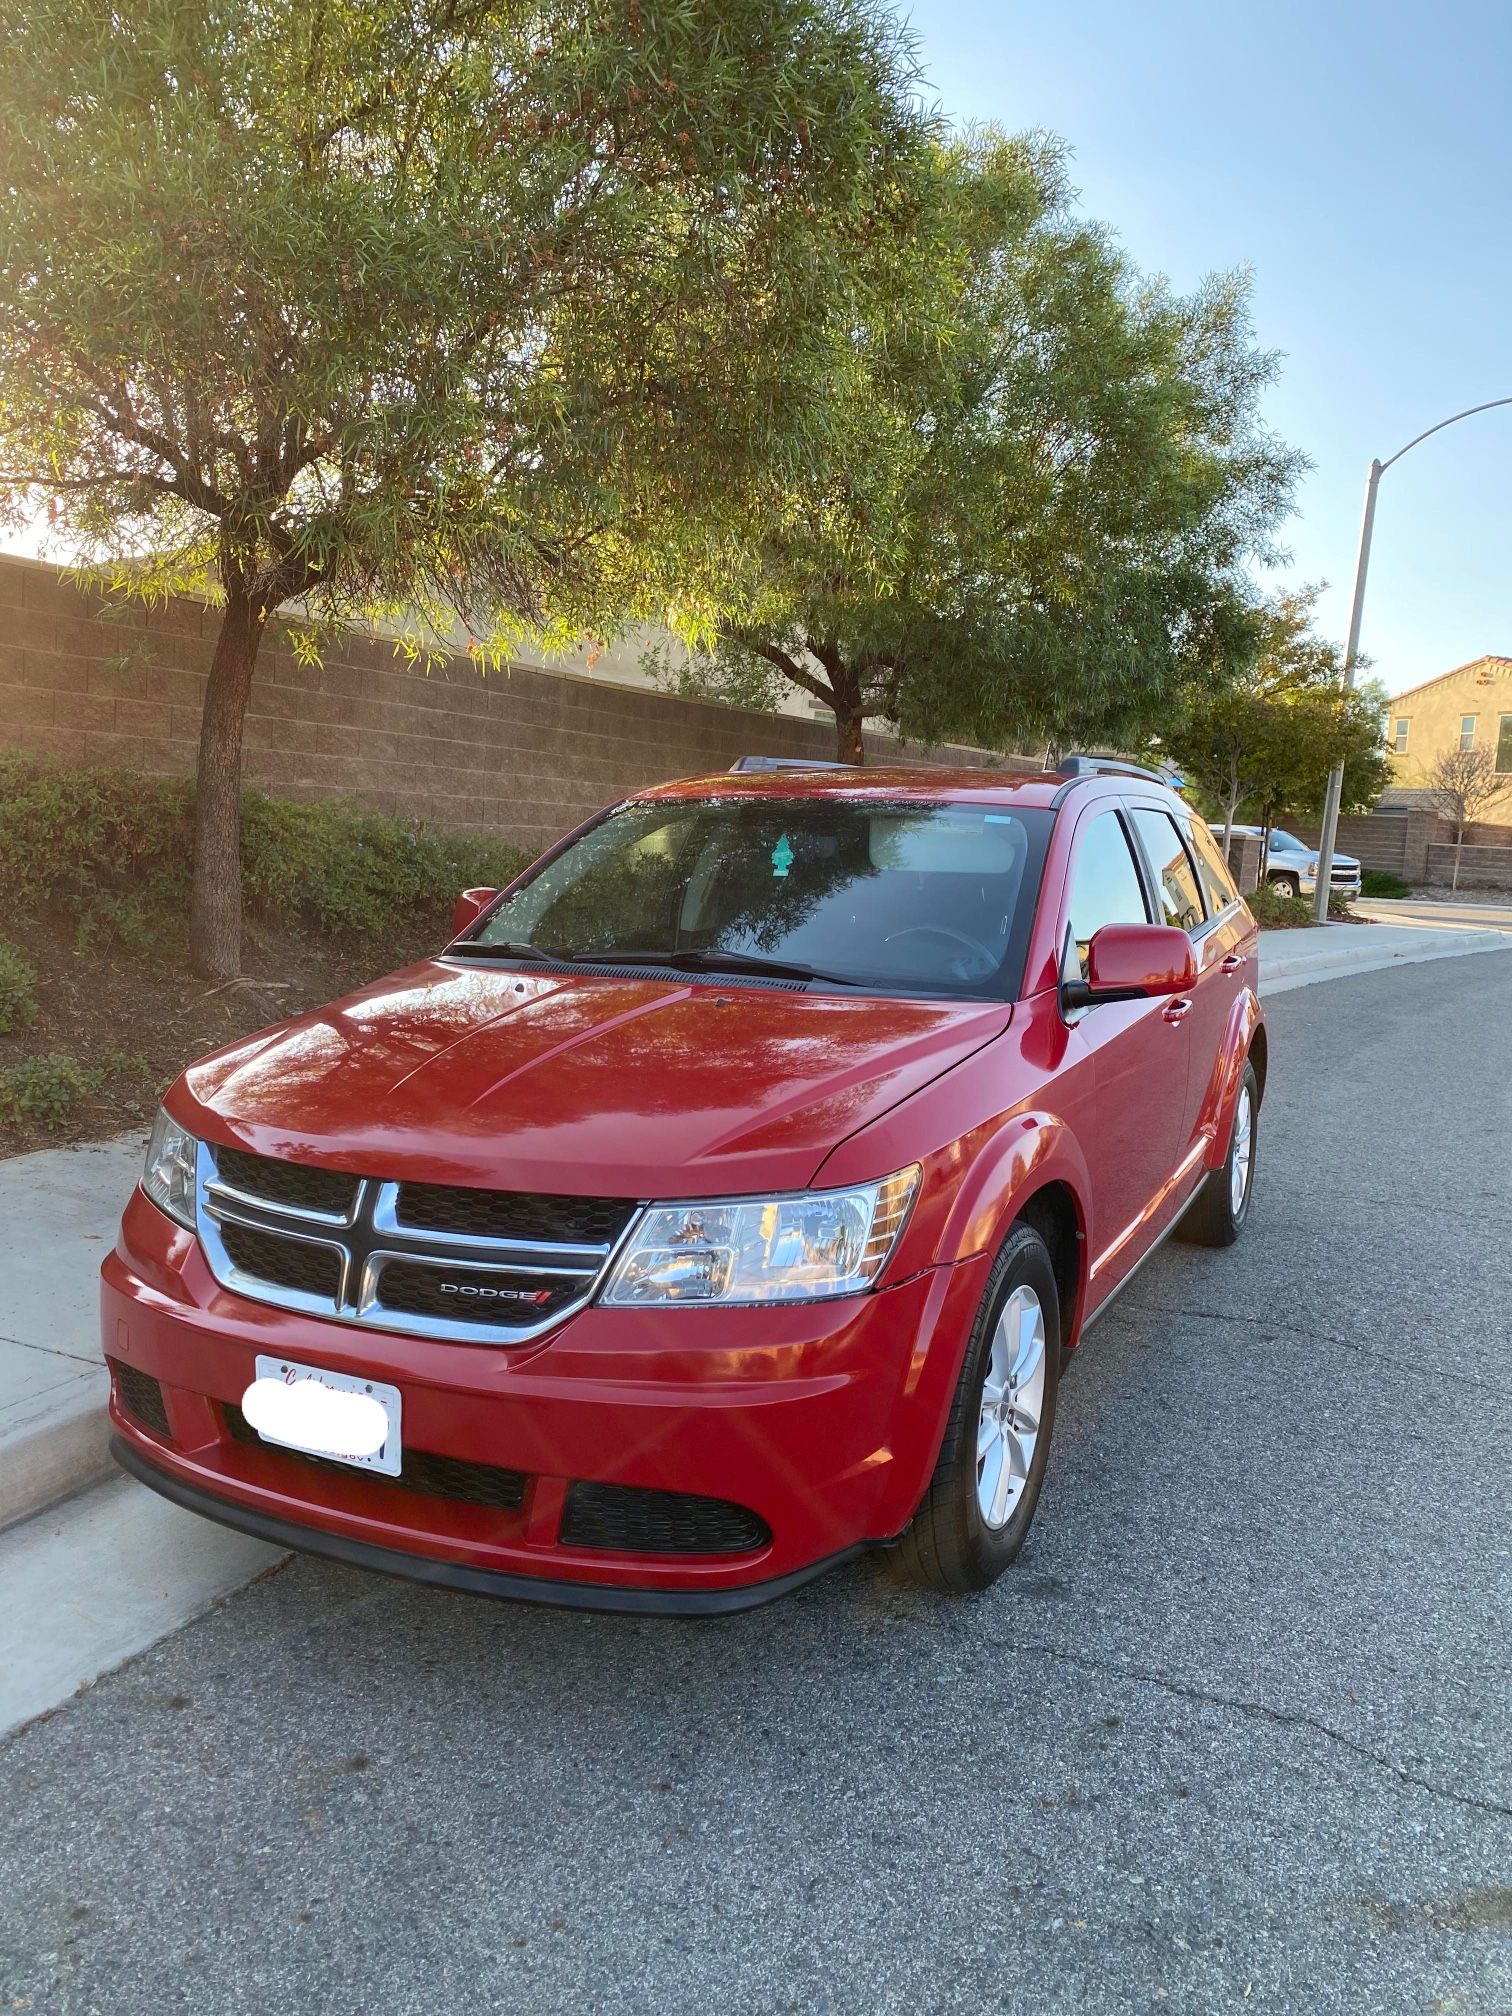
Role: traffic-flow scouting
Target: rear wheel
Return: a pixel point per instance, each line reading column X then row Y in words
column 1216, row 1214
column 981, row 1499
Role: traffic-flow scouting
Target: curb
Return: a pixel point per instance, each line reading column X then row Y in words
column 1380, row 955
column 59, row 1446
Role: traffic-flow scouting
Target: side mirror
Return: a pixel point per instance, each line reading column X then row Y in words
column 1133, row 962
column 469, row 907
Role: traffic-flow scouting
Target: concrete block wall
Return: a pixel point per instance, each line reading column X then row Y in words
column 1480, row 867
column 520, row 754
column 1393, row 841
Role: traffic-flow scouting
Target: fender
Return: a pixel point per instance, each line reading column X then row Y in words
column 1245, row 1017
column 978, row 1172
column 1013, row 1158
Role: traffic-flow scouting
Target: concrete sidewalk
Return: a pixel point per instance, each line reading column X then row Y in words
column 1333, row 951
column 61, row 1208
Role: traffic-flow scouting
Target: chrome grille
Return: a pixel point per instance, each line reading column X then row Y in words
column 263, row 1179
column 427, row 1260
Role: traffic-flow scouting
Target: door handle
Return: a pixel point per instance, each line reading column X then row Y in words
column 1176, row 1011
column 1232, row 963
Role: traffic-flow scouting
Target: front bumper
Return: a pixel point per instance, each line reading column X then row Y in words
column 1342, row 884
column 821, row 1420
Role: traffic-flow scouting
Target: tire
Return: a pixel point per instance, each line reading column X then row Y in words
column 1213, row 1218
column 1289, row 885
column 953, row 1544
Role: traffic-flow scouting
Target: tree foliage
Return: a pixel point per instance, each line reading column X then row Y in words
column 404, row 307
column 1266, row 739
column 1050, row 475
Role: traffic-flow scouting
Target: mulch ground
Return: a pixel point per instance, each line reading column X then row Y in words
column 138, row 1020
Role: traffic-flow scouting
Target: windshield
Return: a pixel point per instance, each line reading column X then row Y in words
column 896, row 897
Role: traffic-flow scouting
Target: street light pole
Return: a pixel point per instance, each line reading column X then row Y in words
column 1352, row 650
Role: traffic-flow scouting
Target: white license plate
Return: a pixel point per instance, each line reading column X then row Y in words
column 297, row 1420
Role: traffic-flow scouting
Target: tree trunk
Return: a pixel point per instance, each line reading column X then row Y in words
column 216, row 898
column 1459, row 841
column 1228, row 822
column 848, row 718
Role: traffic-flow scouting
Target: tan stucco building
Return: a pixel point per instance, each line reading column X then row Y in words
column 1468, row 708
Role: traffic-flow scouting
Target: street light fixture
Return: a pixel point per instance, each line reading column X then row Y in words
column 1351, row 651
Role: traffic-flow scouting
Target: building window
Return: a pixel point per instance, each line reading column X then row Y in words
column 1467, row 731
column 1504, row 743
column 1400, row 743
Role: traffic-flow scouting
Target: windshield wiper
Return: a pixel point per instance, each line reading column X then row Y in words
column 687, row 961
column 715, row 961
column 512, row 948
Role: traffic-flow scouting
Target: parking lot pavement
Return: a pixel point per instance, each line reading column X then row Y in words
column 1236, row 1733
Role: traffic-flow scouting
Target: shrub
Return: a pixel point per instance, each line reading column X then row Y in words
column 117, row 846
column 131, row 922
column 44, row 1089
column 354, row 873
column 1274, row 907
column 1380, row 882
column 17, row 979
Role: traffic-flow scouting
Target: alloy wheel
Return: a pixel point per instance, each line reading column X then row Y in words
column 1243, row 1151
column 1013, row 1395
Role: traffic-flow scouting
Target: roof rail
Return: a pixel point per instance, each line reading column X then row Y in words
column 746, row 764
column 1115, row 766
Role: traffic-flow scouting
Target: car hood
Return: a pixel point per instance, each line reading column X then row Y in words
column 580, row 1084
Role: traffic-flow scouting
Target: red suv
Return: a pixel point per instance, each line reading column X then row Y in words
column 724, row 1199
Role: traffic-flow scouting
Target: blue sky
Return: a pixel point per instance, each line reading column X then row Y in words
column 1359, row 159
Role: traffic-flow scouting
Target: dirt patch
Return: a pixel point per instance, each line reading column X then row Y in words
column 132, row 1021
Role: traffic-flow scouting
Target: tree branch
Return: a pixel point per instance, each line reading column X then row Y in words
column 786, row 665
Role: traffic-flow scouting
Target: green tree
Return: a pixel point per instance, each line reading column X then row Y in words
column 1049, row 475
column 1267, row 739
column 1306, row 735
column 391, row 309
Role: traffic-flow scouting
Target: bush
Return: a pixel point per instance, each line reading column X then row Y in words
column 117, row 846
column 1274, row 907
column 43, row 1089
column 17, row 979
column 1379, row 882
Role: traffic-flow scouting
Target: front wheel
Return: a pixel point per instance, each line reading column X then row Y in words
column 1289, row 885
column 980, row 1502
column 1216, row 1214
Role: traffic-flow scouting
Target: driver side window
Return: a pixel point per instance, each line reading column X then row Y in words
column 1105, row 888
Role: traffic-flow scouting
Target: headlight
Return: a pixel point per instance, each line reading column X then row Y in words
column 168, row 1176
column 801, row 1248
column 1311, row 867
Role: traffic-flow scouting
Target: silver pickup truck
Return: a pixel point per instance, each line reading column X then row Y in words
column 1292, row 865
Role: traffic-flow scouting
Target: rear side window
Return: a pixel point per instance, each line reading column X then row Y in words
column 1217, row 883
column 1175, row 877
column 1105, row 884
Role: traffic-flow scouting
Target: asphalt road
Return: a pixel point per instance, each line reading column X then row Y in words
column 1237, row 1733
